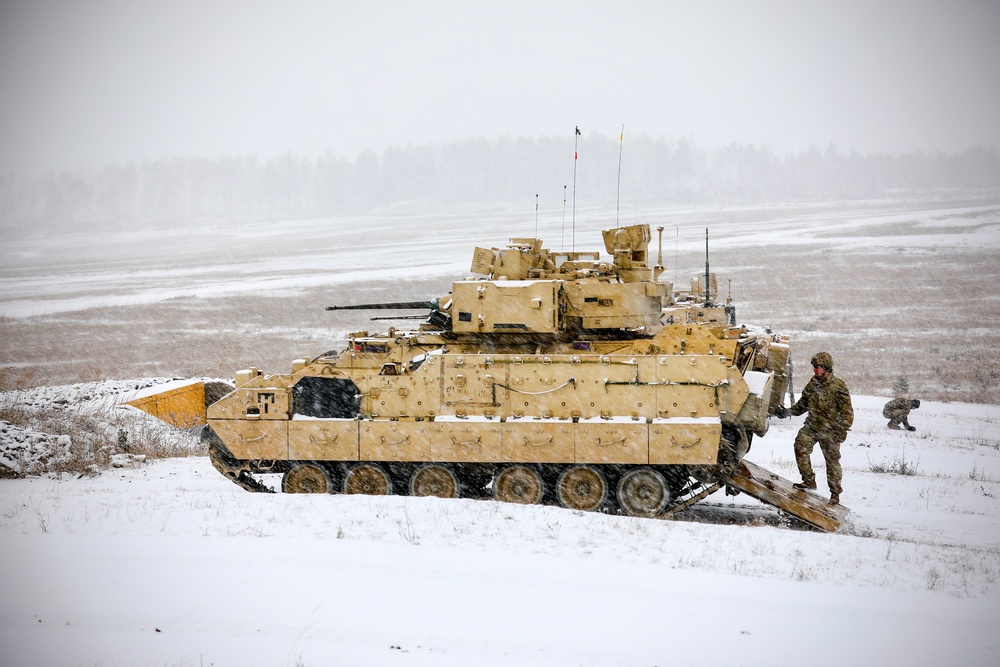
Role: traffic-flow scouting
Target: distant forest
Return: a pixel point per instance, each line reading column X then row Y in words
column 502, row 174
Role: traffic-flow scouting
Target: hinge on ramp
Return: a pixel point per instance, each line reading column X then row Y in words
column 764, row 485
column 703, row 492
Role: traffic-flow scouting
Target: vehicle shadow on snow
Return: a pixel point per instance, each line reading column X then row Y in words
column 741, row 515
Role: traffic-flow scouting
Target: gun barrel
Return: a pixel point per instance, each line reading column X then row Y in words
column 399, row 305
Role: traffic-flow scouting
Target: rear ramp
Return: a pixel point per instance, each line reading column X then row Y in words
column 778, row 491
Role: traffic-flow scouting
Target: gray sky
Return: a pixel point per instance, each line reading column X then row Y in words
column 85, row 82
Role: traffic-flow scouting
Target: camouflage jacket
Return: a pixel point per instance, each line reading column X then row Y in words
column 828, row 403
column 897, row 408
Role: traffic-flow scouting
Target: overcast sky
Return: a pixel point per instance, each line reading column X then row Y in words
column 85, row 82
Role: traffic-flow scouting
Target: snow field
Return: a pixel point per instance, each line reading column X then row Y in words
column 95, row 566
column 165, row 562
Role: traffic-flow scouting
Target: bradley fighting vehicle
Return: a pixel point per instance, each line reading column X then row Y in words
column 556, row 377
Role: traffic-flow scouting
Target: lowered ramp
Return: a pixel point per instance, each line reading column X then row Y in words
column 778, row 491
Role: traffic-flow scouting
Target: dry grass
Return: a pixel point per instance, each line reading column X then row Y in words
column 184, row 337
column 67, row 437
column 927, row 313
column 898, row 465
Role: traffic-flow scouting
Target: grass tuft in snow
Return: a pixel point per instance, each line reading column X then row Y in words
column 898, row 465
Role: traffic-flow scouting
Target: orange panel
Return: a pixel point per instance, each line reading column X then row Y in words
column 181, row 405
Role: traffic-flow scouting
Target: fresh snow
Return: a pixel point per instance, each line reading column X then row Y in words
column 168, row 563
column 165, row 562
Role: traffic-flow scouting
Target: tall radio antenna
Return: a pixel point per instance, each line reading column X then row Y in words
column 708, row 301
column 536, row 215
column 576, row 157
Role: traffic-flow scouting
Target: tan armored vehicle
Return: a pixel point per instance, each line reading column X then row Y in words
column 555, row 377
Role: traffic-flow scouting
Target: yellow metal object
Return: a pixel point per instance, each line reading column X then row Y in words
column 179, row 404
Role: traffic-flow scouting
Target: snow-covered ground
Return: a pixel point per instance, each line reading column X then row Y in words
column 168, row 563
column 165, row 562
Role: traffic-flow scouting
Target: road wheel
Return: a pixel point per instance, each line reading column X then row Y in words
column 306, row 478
column 367, row 479
column 434, row 480
column 518, row 484
column 643, row 492
column 582, row 488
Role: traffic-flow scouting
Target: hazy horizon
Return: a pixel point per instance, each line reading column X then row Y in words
column 113, row 80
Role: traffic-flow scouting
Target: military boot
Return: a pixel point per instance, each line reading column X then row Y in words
column 893, row 425
column 805, row 485
column 834, row 498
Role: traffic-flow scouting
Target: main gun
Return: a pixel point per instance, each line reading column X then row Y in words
column 400, row 305
column 436, row 318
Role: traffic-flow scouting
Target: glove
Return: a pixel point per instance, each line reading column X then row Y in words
column 781, row 412
column 911, row 428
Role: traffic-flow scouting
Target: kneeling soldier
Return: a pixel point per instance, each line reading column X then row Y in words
column 897, row 410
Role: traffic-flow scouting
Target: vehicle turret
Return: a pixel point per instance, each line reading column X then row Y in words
column 531, row 290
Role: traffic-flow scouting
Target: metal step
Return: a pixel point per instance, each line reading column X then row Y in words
column 693, row 496
column 764, row 485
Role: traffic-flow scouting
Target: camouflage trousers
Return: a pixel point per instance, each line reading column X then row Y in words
column 896, row 417
column 804, row 442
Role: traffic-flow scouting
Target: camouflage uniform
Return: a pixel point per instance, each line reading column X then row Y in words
column 828, row 403
column 897, row 411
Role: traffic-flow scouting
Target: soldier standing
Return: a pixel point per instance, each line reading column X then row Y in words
column 897, row 410
column 828, row 402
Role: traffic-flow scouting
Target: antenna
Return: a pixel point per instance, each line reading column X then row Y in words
column 621, row 142
column 536, row 215
column 707, row 300
column 562, row 239
column 576, row 158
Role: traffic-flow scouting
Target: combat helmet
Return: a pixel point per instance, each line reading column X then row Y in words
column 823, row 359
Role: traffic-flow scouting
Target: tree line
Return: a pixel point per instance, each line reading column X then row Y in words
column 474, row 175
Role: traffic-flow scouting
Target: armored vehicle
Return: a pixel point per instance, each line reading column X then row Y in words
column 558, row 377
